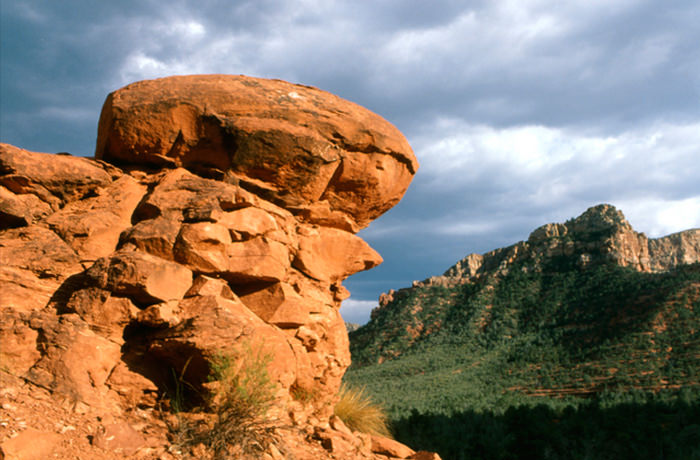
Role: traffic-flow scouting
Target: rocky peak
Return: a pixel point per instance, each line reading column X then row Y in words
column 220, row 213
column 482, row 286
column 594, row 224
column 600, row 234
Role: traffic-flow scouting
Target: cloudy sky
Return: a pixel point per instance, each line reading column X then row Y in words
column 521, row 112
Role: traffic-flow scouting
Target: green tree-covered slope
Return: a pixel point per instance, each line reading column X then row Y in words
column 580, row 325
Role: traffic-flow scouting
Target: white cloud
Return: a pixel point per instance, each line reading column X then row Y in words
column 357, row 311
column 501, row 34
column 281, row 41
column 139, row 66
column 189, row 30
column 458, row 150
column 465, row 151
column 222, row 55
column 533, row 169
column 657, row 217
column 458, row 227
column 512, row 39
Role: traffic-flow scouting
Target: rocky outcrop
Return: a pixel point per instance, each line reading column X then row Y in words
column 600, row 234
column 322, row 157
column 220, row 211
column 560, row 279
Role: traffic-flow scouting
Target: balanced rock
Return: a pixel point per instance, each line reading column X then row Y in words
column 294, row 144
column 222, row 219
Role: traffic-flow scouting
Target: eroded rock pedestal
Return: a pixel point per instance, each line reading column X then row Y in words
column 221, row 210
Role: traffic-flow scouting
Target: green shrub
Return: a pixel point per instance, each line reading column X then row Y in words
column 360, row 413
column 241, row 396
column 234, row 422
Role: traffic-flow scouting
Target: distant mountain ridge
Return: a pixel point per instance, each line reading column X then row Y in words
column 599, row 236
column 601, row 231
column 556, row 339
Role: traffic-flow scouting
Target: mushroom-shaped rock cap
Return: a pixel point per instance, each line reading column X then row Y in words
column 301, row 147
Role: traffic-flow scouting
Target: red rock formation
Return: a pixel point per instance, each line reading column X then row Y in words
column 307, row 149
column 226, row 217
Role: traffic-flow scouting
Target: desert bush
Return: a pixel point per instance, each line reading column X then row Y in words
column 360, row 413
column 242, row 393
column 234, row 421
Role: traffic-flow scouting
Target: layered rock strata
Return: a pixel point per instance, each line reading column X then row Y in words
column 219, row 211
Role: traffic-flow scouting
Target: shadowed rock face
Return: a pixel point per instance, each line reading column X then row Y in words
column 227, row 216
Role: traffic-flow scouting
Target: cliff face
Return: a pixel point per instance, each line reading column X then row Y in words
column 600, row 237
column 220, row 213
column 601, row 234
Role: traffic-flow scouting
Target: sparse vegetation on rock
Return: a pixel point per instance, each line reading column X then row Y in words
column 360, row 413
column 235, row 419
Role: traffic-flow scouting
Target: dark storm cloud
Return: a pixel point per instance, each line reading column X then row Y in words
column 57, row 60
column 520, row 112
column 587, row 64
column 556, row 65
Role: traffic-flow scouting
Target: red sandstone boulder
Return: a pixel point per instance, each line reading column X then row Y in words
column 142, row 277
column 55, row 179
column 279, row 304
column 105, row 313
column 201, row 246
column 30, row 444
column 257, row 259
column 39, row 251
column 295, row 144
column 34, row 262
column 18, row 341
column 389, row 447
column 154, row 236
column 92, row 226
column 329, row 254
column 215, row 324
column 179, row 195
column 248, row 222
column 18, row 210
column 75, row 362
column 23, row 290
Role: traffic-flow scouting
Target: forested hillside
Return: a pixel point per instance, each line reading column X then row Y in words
column 569, row 345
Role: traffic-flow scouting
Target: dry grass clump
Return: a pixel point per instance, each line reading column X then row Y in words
column 241, row 398
column 234, row 422
column 303, row 395
column 360, row 413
